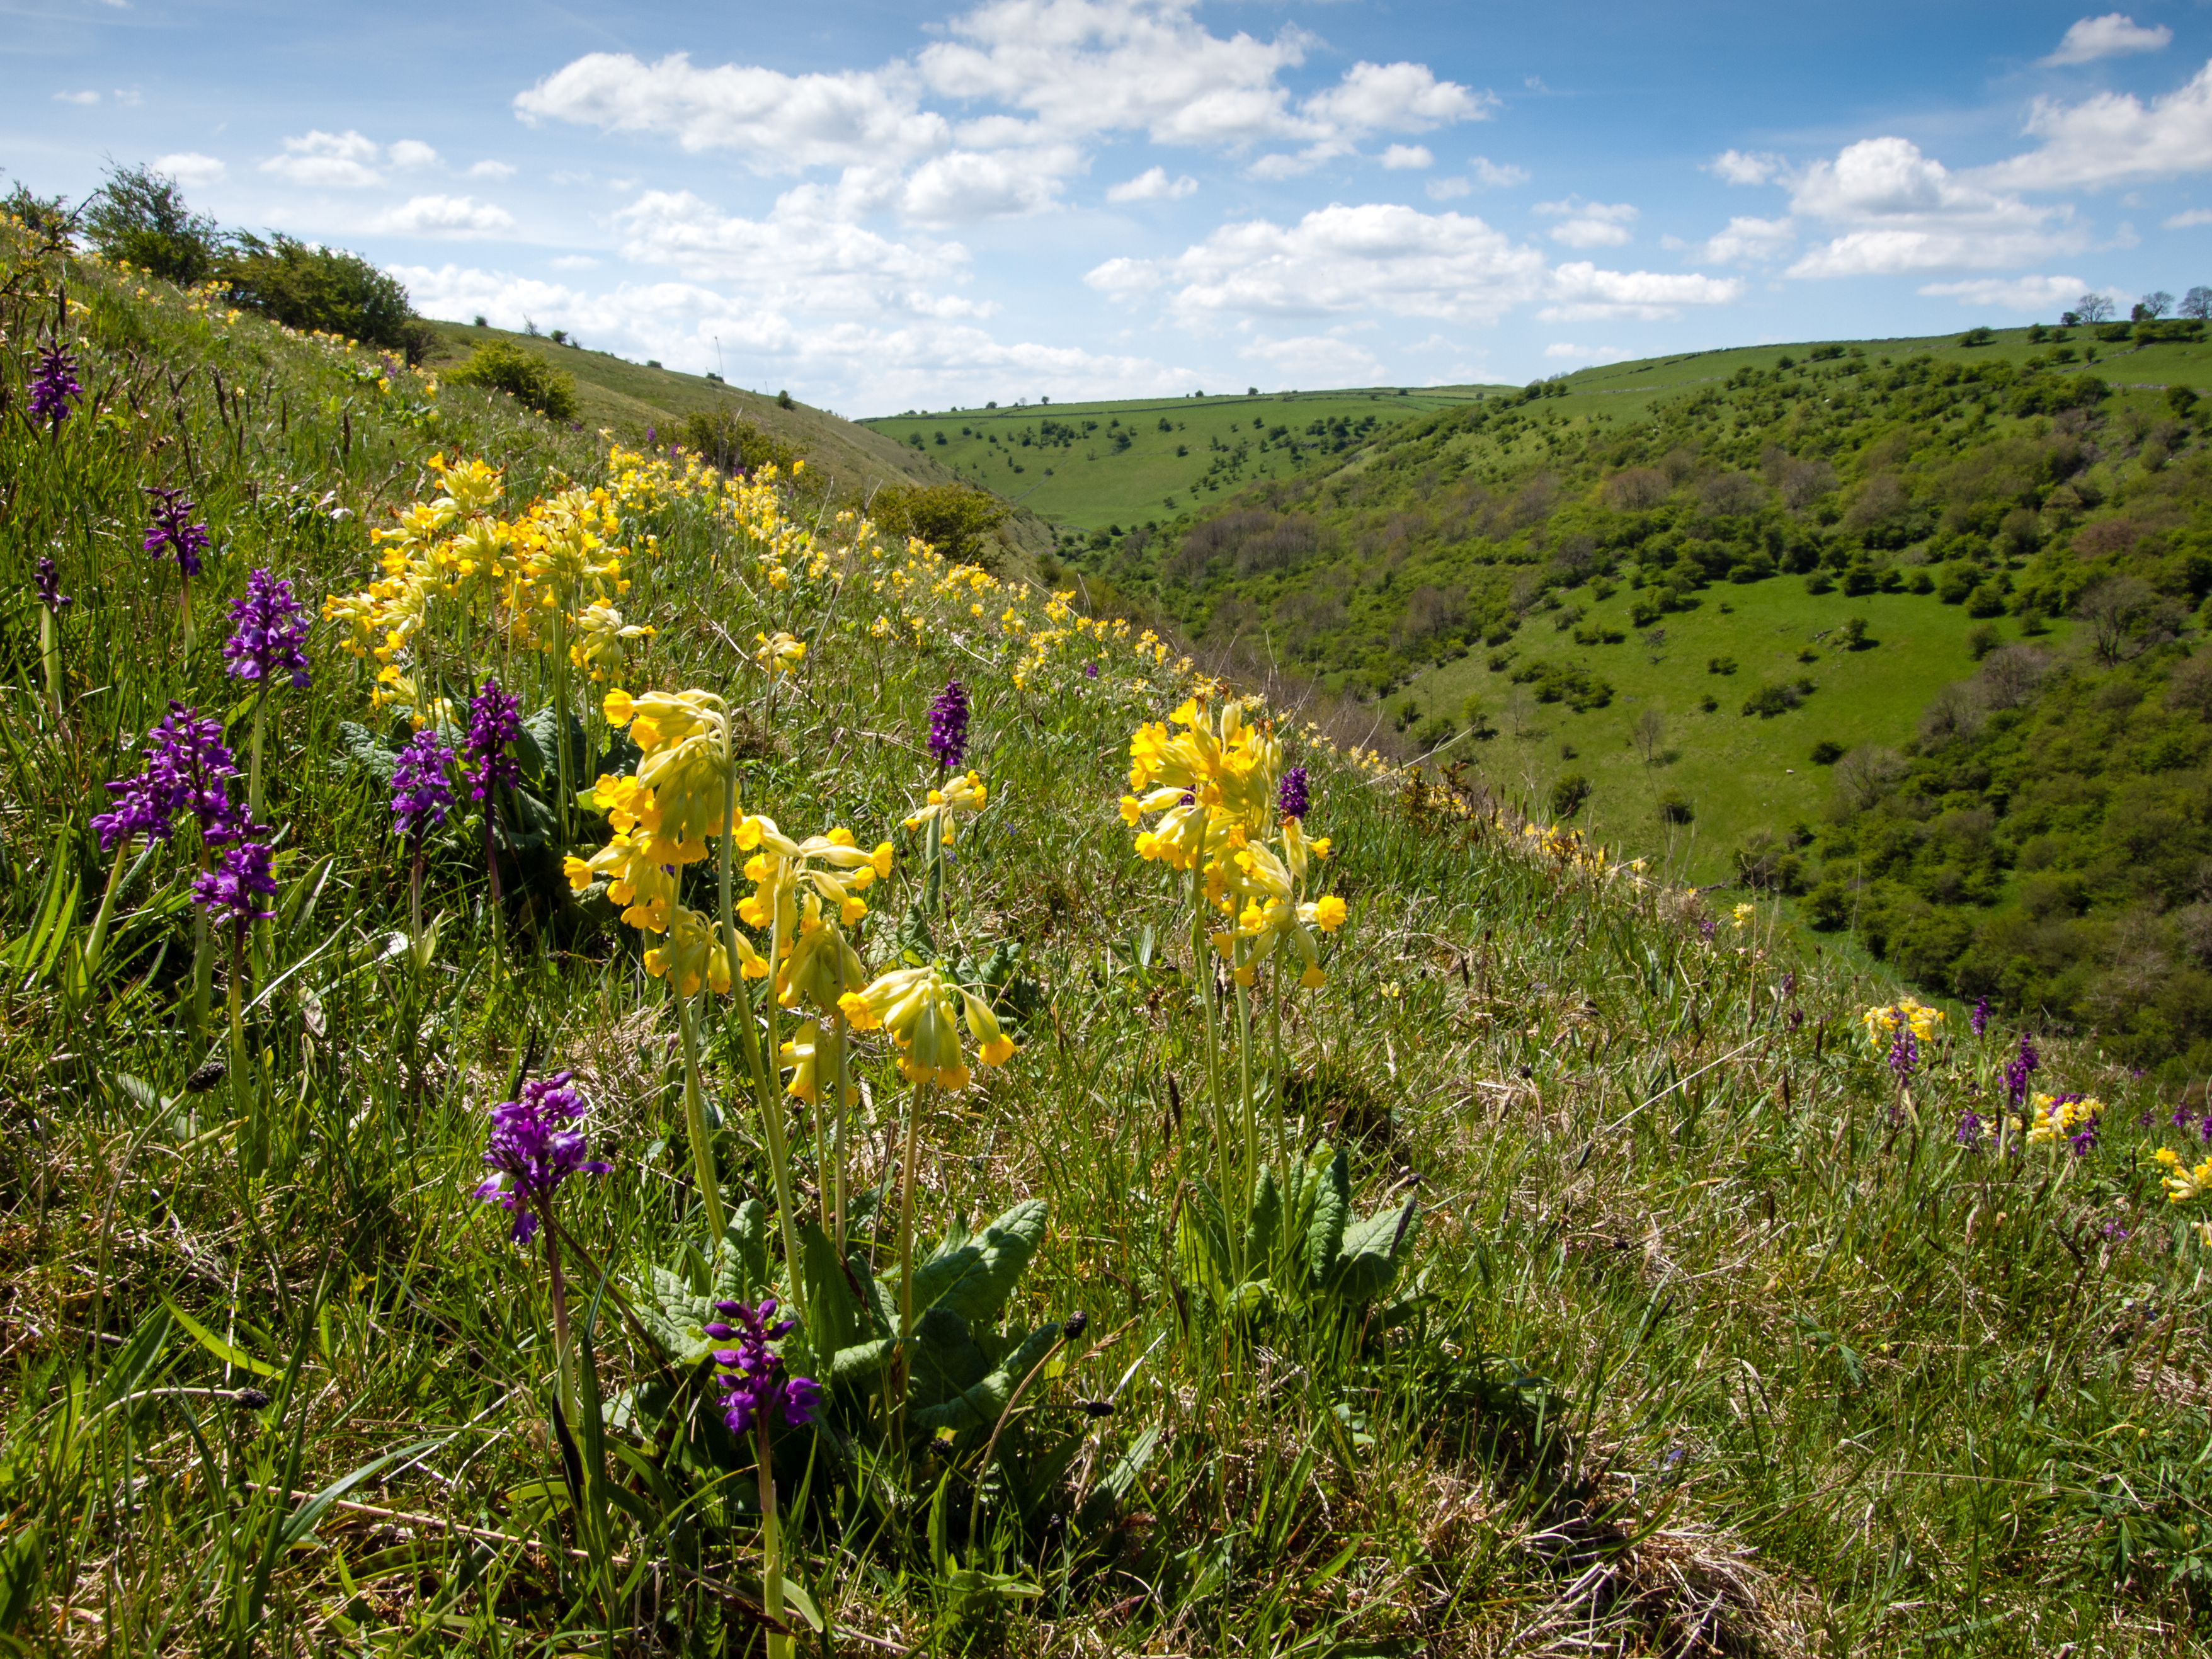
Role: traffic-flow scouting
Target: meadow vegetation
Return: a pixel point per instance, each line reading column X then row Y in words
column 488, row 908
column 1976, row 569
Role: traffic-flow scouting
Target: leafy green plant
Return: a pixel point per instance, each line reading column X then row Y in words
column 502, row 366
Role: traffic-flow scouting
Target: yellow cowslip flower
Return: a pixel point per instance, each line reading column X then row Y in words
column 685, row 736
column 918, row 1007
column 2184, row 1185
column 963, row 797
column 881, row 628
column 600, row 631
column 781, row 868
column 821, row 965
column 1881, row 1023
column 693, row 953
column 1225, row 767
column 2050, row 1118
column 1744, row 915
column 779, row 653
column 802, row 1054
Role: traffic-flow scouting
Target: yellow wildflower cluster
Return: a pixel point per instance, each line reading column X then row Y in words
column 452, row 556
column 918, row 1007
column 2052, row 1119
column 2184, row 1185
column 1215, row 784
column 1883, row 1020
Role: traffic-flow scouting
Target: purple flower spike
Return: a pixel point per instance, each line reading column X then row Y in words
column 1969, row 1129
column 173, row 535
column 948, row 725
column 1291, row 795
column 188, row 768
column 1905, row 1052
column 495, row 722
column 272, row 626
column 48, row 581
column 1980, row 1021
column 2018, row 1069
column 750, row 1376
column 534, row 1150
column 422, row 792
column 54, row 387
column 1091, row 670
column 231, row 892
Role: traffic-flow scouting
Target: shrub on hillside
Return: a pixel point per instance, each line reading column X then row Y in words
column 955, row 518
column 139, row 215
column 502, row 366
column 729, row 442
column 325, row 289
column 1569, row 793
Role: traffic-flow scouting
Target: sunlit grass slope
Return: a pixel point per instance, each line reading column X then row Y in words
column 1524, row 1258
column 1094, row 465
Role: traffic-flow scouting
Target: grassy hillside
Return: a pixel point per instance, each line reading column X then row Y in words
column 1606, row 554
column 633, row 399
column 1735, row 771
column 1564, row 1271
column 1099, row 467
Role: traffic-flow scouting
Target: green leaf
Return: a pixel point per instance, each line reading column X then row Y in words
column 1332, row 1210
column 1372, row 1253
column 23, row 1568
column 230, row 1353
column 365, row 749
column 303, row 1520
column 134, row 1362
column 973, row 1278
column 741, row 1274
column 1264, row 1229
column 981, row 1403
column 833, row 1314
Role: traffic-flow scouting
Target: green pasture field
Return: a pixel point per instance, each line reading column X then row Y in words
column 1739, row 771
column 1087, row 483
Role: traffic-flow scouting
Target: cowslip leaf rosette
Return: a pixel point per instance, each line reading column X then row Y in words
column 921, row 1009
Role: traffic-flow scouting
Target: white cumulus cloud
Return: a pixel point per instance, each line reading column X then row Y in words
column 1582, row 292
column 1377, row 256
column 1905, row 211
column 434, row 216
column 190, row 168
column 2013, row 293
column 2114, row 136
column 1749, row 240
column 1153, row 184
column 324, row 159
column 1399, row 157
column 1737, row 166
column 87, row 97
column 412, row 152
column 1589, row 224
column 1567, row 352
column 2109, row 36
column 2192, row 216
column 493, row 170
column 1311, row 358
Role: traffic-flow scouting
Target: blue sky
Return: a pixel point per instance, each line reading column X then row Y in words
column 882, row 207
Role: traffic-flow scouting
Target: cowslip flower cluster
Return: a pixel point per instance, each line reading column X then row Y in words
column 533, row 1150
column 422, row 789
column 188, row 768
column 54, row 387
column 755, row 1390
column 1883, row 1021
column 961, row 798
column 663, row 814
column 2074, row 1119
column 272, row 628
column 1219, row 788
column 2183, row 1184
column 173, row 535
column 921, row 1008
column 948, row 727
